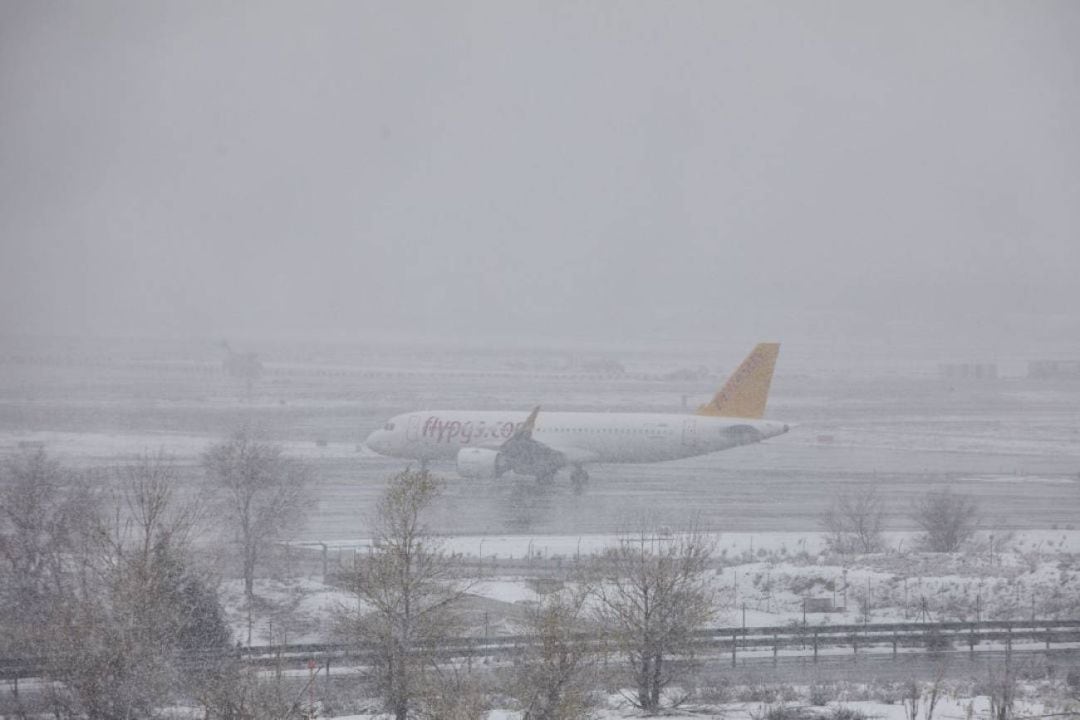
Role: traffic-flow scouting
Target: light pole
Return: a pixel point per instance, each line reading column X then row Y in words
column 867, row 620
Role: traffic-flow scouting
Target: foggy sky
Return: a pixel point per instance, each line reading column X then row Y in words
column 606, row 169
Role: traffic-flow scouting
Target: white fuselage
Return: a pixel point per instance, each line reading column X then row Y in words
column 582, row 437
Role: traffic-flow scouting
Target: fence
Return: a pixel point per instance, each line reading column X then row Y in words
column 798, row 640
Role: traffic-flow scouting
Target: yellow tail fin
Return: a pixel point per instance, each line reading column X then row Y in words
column 746, row 391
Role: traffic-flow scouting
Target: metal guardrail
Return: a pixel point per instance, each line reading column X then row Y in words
column 805, row 640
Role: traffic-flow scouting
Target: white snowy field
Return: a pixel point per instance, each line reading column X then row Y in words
column 294, row 610
column 91, row 446
column 761, row 581
column 947, row 707
column 731, row 547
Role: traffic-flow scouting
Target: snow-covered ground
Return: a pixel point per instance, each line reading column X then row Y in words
column 111, row 446
column 728, row 545
column 295, row 611
column 762, row 580
column 947, row 707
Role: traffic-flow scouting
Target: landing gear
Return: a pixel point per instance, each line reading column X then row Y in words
column 578, row 477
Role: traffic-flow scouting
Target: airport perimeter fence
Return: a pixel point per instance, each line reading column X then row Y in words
column 802, row 641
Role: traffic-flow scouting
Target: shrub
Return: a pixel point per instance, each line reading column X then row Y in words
column 821, row 695
column 716, row 693
column 782, row 711
column 1072, row 679
column 947, row 520
column 887, row 693
column 843, row 712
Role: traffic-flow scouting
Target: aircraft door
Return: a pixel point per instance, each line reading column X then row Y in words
column 689, row 433
column 413, row 431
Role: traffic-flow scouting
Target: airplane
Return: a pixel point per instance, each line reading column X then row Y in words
column 488, row 444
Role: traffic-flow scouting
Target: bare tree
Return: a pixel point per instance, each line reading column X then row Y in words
column 239, row 691
column 453, row 692
column 652, row 593
column 147, row 512
column 1072, row 684
column 43, row 508
column 947, row 520
column 915, row 691
column 39, row 514
column 1001, row 687
column 855, row 522
column 263, row 496
column 407, row 594
column 121, row 599
column 554, row 676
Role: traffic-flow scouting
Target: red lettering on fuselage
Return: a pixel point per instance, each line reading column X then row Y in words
column 442, row 430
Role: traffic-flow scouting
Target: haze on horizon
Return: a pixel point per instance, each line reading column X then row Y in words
column 550, row 169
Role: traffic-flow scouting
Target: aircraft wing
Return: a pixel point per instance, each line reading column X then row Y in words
column 527, row 455
column 573, row 455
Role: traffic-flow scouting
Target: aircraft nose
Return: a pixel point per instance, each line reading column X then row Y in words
column 375, row 441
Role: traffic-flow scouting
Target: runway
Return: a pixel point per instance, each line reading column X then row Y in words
column 1013, row 443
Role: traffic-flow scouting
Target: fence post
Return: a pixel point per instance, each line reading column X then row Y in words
column 775, row 648
column 971, row 642
column 734, row 643
column 815, row 645
column 894, row 639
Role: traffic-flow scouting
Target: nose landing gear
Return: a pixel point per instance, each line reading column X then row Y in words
column 578, row 477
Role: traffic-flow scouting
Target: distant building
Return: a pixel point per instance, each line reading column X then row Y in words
column 687, row 374
column 1045, row 369
column 603, row 366
column 968, row 371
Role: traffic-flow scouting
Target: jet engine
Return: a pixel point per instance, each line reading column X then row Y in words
column 481, row 463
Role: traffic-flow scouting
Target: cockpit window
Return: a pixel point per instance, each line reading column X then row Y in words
column 388, row 426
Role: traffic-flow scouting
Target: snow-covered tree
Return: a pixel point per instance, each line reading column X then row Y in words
column 653, row 592
column 855, row 522
column 408, row 592
column 947, row 520
column 262, row 493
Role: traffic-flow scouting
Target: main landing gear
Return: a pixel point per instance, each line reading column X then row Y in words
column 578, row 478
